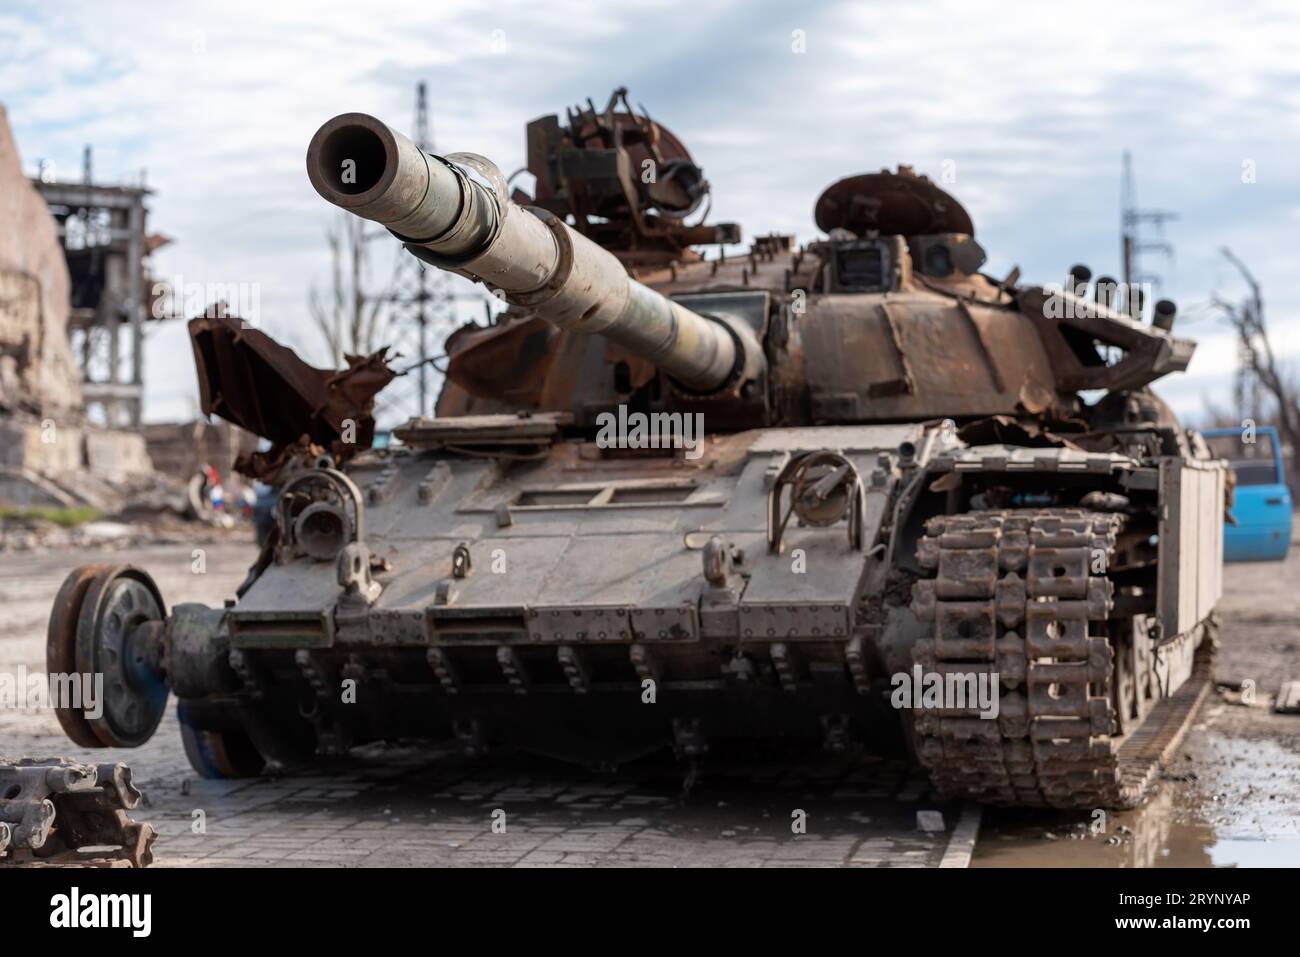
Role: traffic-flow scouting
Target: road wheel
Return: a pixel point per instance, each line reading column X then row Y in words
column 119, row 637
column 61, row 649
column 217, row 754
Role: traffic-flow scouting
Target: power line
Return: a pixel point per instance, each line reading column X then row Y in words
column 1132, row 245
column 422, row 301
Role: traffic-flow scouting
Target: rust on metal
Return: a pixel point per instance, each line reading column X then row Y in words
column 58, row 812
column 885, row 202
column 248, row 378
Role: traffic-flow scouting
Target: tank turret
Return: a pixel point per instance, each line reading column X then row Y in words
column 529, row 257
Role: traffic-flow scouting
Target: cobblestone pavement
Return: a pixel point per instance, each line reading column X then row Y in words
column 407, row 806
column 389, row 806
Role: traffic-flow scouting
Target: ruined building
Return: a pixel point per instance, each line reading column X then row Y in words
column 38, row 373
column 49, row 453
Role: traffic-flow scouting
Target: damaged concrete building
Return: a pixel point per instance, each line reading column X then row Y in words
column 51, row 455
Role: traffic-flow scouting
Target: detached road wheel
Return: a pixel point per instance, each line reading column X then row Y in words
column 217, row 754
column 61, row 649
column 107, row 623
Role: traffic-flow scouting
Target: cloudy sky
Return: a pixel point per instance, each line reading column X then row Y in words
column 1031, row 104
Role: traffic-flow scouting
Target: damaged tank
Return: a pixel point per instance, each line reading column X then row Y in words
column 675, row 498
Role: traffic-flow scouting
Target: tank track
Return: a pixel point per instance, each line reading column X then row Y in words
column 1014, row 592
column 57, row 812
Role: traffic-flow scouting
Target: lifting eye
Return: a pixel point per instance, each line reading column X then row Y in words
column 460, row 561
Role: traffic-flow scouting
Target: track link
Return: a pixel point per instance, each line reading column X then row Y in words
column 58, row 812
column 1024, row 594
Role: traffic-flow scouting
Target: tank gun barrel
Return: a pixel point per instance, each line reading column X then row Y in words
column 442, row 210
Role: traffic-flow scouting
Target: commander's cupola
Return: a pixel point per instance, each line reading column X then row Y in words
column 885, row 228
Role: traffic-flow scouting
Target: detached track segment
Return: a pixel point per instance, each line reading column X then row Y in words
column 1146, row 750
column 1015, row 593
column 58, row 812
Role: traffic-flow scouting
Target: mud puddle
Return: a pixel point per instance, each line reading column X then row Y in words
column 1229, row 801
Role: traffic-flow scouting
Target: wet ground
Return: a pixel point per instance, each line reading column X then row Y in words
column 1232, row 798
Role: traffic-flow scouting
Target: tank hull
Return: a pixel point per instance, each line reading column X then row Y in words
column 595, row 604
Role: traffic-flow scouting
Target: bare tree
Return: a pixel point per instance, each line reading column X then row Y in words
column 1247, row 319
column 353, row 317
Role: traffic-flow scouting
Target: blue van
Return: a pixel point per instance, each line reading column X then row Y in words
column 1263, row 501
